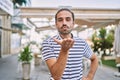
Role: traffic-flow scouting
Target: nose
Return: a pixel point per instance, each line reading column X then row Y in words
column 64, row 21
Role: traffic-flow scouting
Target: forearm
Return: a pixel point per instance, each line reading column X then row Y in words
column 58, row 68
column 93, row 68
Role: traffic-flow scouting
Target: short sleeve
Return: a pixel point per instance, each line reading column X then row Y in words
column 47, row 50
column 87, row 50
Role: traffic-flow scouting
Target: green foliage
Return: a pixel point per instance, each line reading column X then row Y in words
column 103, row 40
column 25, row 55
column 110, row 63
column 102, row 36
column 102, row 32
column 109, row 40
column 96, row 42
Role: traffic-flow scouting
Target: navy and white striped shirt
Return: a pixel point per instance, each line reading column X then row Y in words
column 74, row 66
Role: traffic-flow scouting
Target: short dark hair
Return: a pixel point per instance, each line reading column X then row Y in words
column 64, row 9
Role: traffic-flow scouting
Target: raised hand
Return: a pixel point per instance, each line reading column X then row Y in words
column 66, row 43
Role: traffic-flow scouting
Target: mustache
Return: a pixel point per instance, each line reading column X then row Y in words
column 64, row 25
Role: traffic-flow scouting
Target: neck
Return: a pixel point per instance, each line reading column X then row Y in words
column 66, row 36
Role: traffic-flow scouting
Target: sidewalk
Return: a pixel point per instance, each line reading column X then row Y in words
column 10, row 69
column 105, row 73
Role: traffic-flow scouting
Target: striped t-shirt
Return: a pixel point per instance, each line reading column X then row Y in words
column 74, row 66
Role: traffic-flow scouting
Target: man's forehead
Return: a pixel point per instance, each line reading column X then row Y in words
column 64, row 14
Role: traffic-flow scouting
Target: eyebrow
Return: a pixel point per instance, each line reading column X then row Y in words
column 61, row 17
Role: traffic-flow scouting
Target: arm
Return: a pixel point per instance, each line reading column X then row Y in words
column 57, row 66
column 93, row 68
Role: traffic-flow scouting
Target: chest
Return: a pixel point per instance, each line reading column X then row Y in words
column 76, row 51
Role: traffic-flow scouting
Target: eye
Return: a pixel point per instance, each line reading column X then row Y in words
column 68, row 19
column 60, row 19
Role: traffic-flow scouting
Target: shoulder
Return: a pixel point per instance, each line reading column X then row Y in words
column 49, row 39
column 78, row 39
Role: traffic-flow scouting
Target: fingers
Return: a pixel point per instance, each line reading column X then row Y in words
column 85, row 78
column 66, row 43
column 69, row 42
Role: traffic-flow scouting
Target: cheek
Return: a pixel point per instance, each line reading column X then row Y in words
column 72, row 25
column 58, row 24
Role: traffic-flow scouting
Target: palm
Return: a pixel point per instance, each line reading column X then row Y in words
column 66, row 43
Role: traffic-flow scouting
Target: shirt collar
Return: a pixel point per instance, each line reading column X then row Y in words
column 59, row 37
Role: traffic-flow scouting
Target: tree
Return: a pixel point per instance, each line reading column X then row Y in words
column 96, row 42
column 103, row 40
column 102, row 36
column 110, row 40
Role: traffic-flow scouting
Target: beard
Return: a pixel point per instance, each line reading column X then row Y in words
column 64, row 29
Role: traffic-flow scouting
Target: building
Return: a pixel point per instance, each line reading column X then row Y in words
column 6, row 11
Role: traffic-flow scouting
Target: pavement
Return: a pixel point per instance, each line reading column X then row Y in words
column 10, row 69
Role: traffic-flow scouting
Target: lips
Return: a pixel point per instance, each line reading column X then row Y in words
column 64, row 27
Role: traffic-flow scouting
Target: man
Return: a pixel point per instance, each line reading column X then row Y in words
column 64, row 52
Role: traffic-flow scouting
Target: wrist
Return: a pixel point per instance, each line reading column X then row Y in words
column 90, row 76
column 64, row 50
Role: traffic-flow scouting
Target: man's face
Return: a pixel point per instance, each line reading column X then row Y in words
column 64, row 22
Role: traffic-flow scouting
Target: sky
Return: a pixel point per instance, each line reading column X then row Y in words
column 115, row 4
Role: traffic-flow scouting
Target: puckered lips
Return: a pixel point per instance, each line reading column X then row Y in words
column 65, row 28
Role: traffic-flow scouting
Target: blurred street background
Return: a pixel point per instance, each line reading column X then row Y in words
column 32, row 21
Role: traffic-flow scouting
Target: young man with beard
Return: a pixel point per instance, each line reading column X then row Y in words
column 64, row 52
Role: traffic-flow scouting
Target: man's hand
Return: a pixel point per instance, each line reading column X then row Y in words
column 85, row 78
column 66, row 43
